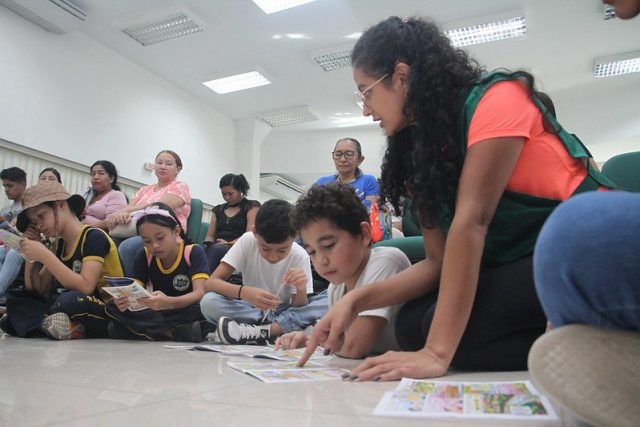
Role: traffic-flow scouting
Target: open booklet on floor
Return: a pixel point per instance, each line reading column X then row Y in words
column 256, row 351
column 126, row 287
column 506, row 400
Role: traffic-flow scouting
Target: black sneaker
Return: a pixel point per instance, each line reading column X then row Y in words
column 189, row 332
column 231, row 332
column 6, row 326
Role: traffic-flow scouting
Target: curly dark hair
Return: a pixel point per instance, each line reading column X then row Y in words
column 336, row 202
column 424, row 159
column 239, row 182
column 273, row 221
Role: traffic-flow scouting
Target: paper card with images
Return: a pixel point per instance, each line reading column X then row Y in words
column 505, row 400
column 126, row 287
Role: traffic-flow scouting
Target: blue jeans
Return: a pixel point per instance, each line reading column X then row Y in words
column 128, row 250
column 587, row 261
column 289, row 318
column 10, row 263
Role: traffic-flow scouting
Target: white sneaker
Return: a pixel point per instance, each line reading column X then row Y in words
column 231, row 332
column 593, row 373
column 60, row 327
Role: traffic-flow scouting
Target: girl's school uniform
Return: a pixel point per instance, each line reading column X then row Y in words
column 26, row 309
column 177, row 280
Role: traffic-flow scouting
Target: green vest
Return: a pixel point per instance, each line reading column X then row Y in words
column 519, row 217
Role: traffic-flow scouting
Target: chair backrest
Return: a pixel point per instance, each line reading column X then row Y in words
column 204, row 227
column 194, row 220
column 624, row 170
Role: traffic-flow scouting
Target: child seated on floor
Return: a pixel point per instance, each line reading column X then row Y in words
column 276, row 278
column 61, row 297
column 176, row 271
column 335, row 227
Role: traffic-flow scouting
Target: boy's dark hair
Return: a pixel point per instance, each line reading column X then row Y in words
column 336, row 202
column 161, row 220
column 239, row 182
column 273, row 221
column 14, row 174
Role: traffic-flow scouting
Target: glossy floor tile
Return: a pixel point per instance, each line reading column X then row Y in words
column 120, row 383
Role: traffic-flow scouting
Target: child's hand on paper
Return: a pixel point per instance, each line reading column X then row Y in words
column 297, row 278
column 157, row 301
column 291, row 340
column 259, row 298
column 34, row 251
column 122, row 303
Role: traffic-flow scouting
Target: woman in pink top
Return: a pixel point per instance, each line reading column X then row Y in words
column 105, row 196
column 167, row 190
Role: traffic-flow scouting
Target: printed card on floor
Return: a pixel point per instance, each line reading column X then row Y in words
column 261, row 352
column 296, row 375
column 506, row 400
column 252, row 366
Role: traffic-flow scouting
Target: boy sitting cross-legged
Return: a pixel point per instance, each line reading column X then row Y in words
column 337, row 235
column 276, row 278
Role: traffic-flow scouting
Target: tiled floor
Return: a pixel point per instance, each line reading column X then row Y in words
column 116, row 383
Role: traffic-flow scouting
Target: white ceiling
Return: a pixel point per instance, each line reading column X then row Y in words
column 564, row 37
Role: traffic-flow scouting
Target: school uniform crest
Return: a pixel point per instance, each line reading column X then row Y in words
column 181, row 282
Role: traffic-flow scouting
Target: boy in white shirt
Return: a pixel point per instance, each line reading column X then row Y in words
column 276, row 278
column 337, row 236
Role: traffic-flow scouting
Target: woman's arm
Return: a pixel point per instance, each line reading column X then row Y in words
column 487, row 168
column 212, row 230
column 361, row 336
column 251, row 218
column 171, row 200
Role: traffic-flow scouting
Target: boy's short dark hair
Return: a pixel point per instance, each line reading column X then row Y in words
column 14, row 174
column 273, row 221
column 336, row 202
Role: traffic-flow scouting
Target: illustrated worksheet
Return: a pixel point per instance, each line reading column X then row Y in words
column 133, row 291
column 256, row 351
column 505, row 400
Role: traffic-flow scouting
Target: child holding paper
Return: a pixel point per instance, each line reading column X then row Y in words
column 61, row 297
column 337, row 236
column 276, row 277
column 176, row 271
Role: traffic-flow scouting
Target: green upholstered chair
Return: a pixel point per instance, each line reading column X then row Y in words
column 412, row 244
column 204, row 227
column 624, row 170
column 194, row 220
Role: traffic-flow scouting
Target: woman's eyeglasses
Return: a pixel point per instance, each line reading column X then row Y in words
column 347, row 154
column 365, row 95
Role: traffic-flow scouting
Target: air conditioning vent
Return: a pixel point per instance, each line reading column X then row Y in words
column 280, row 187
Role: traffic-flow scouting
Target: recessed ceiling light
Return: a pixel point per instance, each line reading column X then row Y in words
column 237, row 82
column 334, row 61
column 273, row 6
column 501, row 29
column 288, row 116
column 164, row 28
column 354, row 36
column 298, row 36
column 617, row 65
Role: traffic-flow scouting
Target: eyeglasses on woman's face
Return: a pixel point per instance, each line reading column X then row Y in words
column 365, row 95
column 349, row 154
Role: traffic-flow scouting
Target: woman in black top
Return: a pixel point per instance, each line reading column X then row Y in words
column 230, row 220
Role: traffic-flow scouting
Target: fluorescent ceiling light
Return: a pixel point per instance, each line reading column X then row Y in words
column 161, row 29
column 273, row 6
column 609, row 12
column 237, row 82
column 617, row 65
column 488, row 32
column 354, row 36
column 287, row 117
column 334, row 61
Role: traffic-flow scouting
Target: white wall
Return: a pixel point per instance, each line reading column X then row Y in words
column 72, row 97
column 306, row 156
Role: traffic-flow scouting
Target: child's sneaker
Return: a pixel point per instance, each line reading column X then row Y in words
column 231, row 332
column 592, row 372
column 60, row 327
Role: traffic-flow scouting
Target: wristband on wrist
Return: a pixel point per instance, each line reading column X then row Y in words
column 239, row 291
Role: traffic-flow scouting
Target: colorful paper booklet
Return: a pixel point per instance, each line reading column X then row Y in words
column 279, row 371
column 261, row 352
column 9, row 236
column 505, row 400
column 127, row 287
